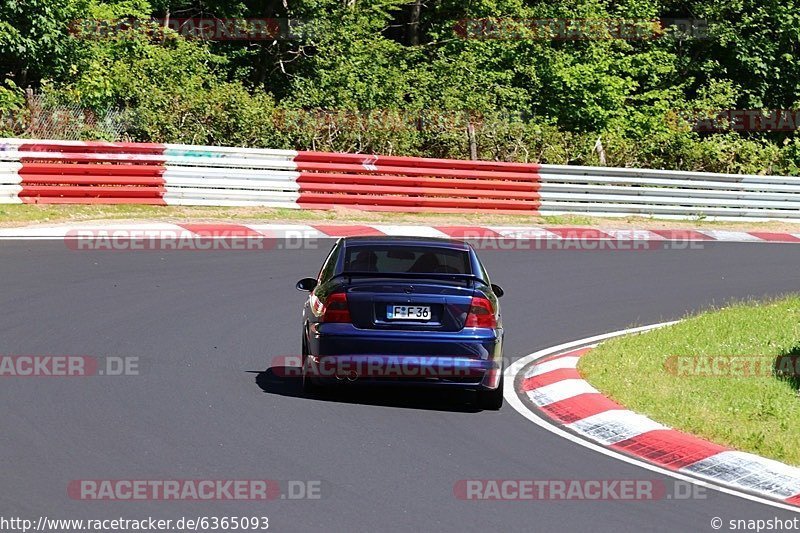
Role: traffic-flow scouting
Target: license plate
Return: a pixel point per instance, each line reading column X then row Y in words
column 408, row 312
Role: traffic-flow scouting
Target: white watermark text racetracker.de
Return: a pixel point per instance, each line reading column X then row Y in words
column 244, row 239
column 66, row 366
column 204, row 240
column 576, row 489
column 193, row 489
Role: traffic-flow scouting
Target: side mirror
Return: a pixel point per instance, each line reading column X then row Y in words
column 306, row 284
column 497, row 290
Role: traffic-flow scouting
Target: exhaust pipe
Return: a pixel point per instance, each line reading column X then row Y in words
column 352, row 376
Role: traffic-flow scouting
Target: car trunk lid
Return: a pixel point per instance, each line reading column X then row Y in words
column 378, row 303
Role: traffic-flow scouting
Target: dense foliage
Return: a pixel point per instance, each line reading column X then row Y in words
column 393, row 76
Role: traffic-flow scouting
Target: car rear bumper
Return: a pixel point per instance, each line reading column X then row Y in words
column 471, row 358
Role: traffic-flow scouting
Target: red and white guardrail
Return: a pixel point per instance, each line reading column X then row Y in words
column 50, row 171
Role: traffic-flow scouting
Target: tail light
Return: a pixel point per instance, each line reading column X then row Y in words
column 481, row 314
column 333, row 309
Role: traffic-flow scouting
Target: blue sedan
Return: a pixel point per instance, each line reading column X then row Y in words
column 403, row 311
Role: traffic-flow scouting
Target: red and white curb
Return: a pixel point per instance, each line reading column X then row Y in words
column 567, row 236
column 548, row 390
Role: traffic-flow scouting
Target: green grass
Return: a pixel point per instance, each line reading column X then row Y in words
column 19, row 214
column 23, row 214
column 571, row 220
column 758, row 414
column 37, row 213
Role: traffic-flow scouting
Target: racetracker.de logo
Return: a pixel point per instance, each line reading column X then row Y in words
column 575, row 489
column 733, row 366
column 193, row 489
column 30, row 366
column 583, row 239
column 204, row 28
column 198, row 240
column 174, row 489
column 738, row 120
column 382, row 367
column 574, row 29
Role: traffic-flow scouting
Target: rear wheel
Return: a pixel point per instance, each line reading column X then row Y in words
column 492, row 400
column 308, row 385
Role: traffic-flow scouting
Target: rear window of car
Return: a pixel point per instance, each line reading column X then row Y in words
column 391, row 259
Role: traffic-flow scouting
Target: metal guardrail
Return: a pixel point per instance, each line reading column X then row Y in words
column 45, row 171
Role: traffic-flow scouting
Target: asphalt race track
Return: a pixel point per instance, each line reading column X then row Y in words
column 206, row 326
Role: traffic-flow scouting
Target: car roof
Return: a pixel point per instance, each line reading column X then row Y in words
column 439, row 242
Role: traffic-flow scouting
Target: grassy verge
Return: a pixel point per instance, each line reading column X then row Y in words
column 22, row 214
column 668, row 374
column 26, row 214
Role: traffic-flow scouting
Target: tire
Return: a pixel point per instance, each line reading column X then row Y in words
column 491, row 400
column 308, row 385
